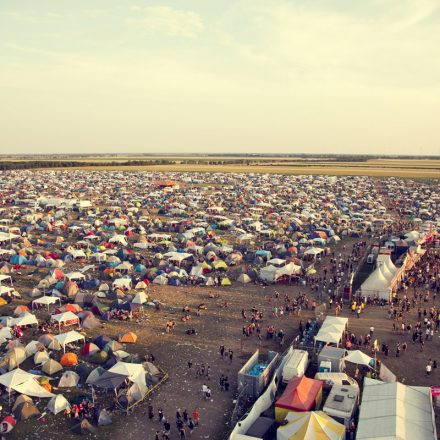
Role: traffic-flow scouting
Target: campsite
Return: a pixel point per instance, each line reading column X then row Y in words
column 129, row 294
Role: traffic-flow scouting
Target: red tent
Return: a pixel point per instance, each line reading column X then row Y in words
column 300, row 394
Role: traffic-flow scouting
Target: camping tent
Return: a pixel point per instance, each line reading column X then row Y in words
column 57, row 404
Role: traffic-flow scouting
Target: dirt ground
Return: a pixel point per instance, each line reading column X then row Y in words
column 219, row 326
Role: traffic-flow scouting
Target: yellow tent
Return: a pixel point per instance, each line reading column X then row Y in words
column 220, row 264
column 312, row 425
column 226, row 281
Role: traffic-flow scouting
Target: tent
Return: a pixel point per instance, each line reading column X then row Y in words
column 359, row 358
column 244, row 278
column 69, row 338
column 134, row 372
column 46, row 300
column 25, row 319
column 69, row 359
column 51, row 367
column 377, row 285
column 85, row 427
column 89, row 348
column 26, row 410
column 32, row 347
column 66, row 318
column 13, row 358
column 104, row 418
column 21, row 399
column 395, row 411
column 301, row 394
column 128, row 337
column 40, row 357
column 109, row 380
column 57, row 404
column 69, row 379
column 140, row 298
column 94, row 374
column 309, row 426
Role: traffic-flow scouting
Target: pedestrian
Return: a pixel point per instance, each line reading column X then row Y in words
column 150, row 412
column 182, row 433
column 196, row 416
column 166, row 430
column 185, row 415
column 190, row 425
column 160, row 415
column 157, row 436
column 231, row 355
column 428, row 369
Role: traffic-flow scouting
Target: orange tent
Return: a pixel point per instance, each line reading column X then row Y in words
column 301, row 394
column 128, row 338
column 74, row 308
column 21, row 309
column 69, row 359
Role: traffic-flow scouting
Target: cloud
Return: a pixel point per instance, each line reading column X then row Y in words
column 168, row 21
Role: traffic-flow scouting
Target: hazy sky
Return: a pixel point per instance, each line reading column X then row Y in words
column 334, row 76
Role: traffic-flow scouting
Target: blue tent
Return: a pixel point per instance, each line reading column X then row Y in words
column 18, row 259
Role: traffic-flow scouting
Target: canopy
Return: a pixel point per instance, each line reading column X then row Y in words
column 68, row 338
column 46, row 300
column 65, row 318
column 359, row 358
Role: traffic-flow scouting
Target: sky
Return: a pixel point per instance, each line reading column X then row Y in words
column 205, row 76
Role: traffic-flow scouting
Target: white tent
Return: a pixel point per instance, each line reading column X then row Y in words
column 46, row 300
column 69, row 338
column 268, row 273
column 161, row 280
column 65, row 317
column 25, row 319
column 395, row 411
column 332, row 330
column 57, row 404
column 33, row 389
column 377, row 284
column 359, row 358
column 23, row 382
column 72, row 276
column 244, row 278
column 122, row 282
column 140, row 298
column 134, row 372
column 314, row 251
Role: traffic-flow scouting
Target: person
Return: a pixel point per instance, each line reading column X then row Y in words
column 190, row 425
column 182, row 433
column 167, row 430
column 428, row 369
column 196, row 416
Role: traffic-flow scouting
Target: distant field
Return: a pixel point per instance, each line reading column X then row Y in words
column 408, row 168
column 331, row 169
